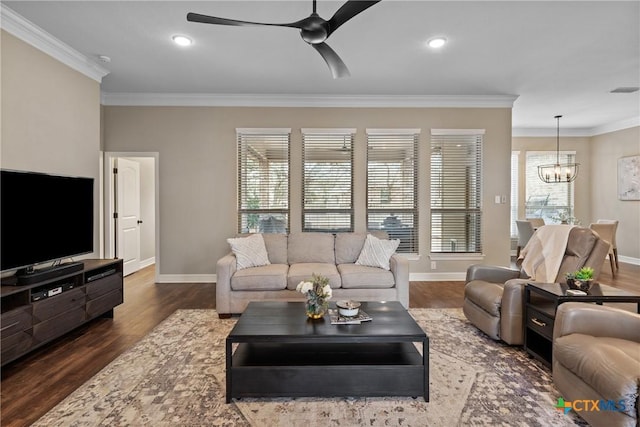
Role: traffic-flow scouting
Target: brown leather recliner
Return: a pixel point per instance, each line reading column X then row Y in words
column 596, row 357
column 493, row 296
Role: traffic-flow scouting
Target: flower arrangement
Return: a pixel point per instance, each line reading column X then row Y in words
column 318, row 293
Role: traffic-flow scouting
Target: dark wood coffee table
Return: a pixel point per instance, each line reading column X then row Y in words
column 280, row 352
column 542, row 301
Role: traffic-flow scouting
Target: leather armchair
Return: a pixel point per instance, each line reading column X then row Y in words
column 493, row 296
column 596, row 356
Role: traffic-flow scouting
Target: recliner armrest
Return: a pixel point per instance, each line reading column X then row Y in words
column 597, row 321
column 491, row 273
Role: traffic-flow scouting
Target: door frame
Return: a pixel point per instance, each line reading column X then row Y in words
column 109, row 197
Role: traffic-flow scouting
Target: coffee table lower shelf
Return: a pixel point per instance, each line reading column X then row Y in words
column 327, row 370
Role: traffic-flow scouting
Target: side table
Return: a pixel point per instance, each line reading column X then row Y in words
column 541, row 301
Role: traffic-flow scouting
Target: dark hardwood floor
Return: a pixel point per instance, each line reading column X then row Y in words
column 34, row 384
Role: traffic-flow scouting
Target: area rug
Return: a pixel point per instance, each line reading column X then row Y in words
column 175, row 377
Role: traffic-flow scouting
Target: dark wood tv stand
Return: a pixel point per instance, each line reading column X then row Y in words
column 35, row 314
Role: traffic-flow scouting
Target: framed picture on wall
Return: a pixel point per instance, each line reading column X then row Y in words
column 629, row 178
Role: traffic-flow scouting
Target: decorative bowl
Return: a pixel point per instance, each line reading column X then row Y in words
column 348, row 308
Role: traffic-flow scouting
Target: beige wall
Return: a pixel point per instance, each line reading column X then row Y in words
column 197, row 147
column 596, row 185
column 606, row 149
column 50, row 117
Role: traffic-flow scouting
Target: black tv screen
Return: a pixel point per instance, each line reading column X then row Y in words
column 44, row 218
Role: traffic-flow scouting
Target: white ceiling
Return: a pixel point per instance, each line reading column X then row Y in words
column 561, row 57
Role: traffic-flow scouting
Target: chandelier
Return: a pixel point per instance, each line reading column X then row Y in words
column 558, row 172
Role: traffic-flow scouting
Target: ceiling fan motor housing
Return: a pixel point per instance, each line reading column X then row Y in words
column 314, row 29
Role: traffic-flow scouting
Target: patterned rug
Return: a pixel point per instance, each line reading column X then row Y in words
column 175, row 377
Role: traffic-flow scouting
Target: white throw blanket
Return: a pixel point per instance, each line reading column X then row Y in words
column 543, row 254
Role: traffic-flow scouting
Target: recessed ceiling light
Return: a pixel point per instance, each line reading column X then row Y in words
column 182, row 40
column 437, row 42
column 630, row 89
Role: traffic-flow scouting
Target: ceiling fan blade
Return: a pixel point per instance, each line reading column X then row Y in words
column 337, row 67
column 348, row 10
column 206, row 19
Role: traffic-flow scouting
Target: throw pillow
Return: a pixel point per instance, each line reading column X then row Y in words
column 377, row 252
column 249, row 251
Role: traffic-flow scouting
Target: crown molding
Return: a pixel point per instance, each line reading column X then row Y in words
column 550, row 132
column 312, row 100
column 577, row 132
column 616, row 126
column 30, row 33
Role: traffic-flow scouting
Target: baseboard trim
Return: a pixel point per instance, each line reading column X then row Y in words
column 629, row 260
column 147, row 262
column 186, row 278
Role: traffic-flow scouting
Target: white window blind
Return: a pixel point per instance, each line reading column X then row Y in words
column 392, row 185
column 263, row 180
column 552, row 201
column 515, row 159
column 456, row 184
column 327, row 180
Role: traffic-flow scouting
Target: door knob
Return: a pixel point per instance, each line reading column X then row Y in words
column 139, row 221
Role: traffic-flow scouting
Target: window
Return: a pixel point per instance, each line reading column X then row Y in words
column 392, row 185
column 263, row 180
column 515, row 159
column 327, row 180
column 553, row 202
column 456, row 184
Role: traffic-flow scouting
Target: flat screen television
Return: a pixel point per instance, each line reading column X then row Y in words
column 43, row 218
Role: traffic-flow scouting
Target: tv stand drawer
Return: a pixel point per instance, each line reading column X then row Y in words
column 51, row 307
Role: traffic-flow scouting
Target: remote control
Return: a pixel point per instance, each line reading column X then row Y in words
column 575, row 292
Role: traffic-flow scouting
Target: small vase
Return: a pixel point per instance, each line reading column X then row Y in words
column 316, row 309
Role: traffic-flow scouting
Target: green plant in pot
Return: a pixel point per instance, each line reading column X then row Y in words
column 581, row 279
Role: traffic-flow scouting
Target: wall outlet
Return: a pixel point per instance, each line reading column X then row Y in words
column 433, row 265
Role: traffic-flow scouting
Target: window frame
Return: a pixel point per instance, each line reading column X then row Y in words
column 471, row 229
column 278, row 136
column 395, row 215
column 328, row 140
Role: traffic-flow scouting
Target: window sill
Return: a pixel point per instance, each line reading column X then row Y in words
column 456, row 257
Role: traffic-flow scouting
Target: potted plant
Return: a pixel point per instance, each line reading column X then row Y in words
column 582, row 279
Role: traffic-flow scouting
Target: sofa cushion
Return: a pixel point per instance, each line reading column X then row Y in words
column 349, row 246
column 485, row 295
column 249, row 251
column 609, row 365
column 276, row 245
column 266, row 278
column 377, row 252
column 363, row 277
column 304, row 271
column 311, row 248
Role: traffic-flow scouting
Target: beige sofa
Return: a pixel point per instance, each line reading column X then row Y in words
column 596, row 357
column 295, row 258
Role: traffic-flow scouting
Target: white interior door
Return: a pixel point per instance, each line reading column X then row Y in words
column 128, row 210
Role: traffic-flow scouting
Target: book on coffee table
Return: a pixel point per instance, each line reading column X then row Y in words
column 337, row 319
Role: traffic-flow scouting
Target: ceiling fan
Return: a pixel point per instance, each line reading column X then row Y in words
column 313, row 29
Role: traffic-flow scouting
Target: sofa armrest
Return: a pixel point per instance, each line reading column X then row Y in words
column 597, row 321
column 399, row 266
column 225, row 269
column 491, row 273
